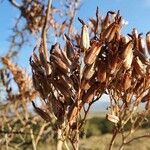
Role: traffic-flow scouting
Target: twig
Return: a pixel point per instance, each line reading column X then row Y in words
column 85, row 115
column 66, row 145
column 13, row 132
column 113, row 139
column 136, row 138
column 40, row 132
column 13, row 2
column 33, row 139
column 44, row 50
column 44, row 30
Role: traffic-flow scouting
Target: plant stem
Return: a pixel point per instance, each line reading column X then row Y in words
column 33, row 140
column 122, row 146
column 66, row 145
column 113, row 140
column 59, row 140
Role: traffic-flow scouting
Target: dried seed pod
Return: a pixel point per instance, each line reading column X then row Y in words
column 139, row 86
column 85, row 84
column 127, row 50
column 142, row 46
column 113, row 64
column 147, row 84
column 44, row 63
column 91, row 93
column 65, row 58
column 85, row 39
column 78, row 39
column 105, row 22
column 101, row 74
column 61, row 79
column 63, row 67
column 148, row 41
column 91, row 55
column 67, row 79
column 42, row 113
column 89, row 71
column 69, row 48
column 144, row 59
column 135, row 33
column 65, row 92
column 125, row 39
column 139, row 67
column 57, row 106
column 55, row 50
column 128, row 96
column 127, row 55
column 146, row 97
column 72, row 113
column 112, row 118
column 111, row 29
column 127, row 81
column 113, row 33
column 147, row 106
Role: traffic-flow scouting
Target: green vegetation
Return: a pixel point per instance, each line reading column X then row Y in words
column 97, row 126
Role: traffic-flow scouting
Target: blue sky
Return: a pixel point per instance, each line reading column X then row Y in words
column 136, row 12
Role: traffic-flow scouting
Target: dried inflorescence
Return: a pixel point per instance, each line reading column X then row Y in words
column 32, row 18
column 34, row 12
column 22, row 79
column 88, row 67
column 17, row 121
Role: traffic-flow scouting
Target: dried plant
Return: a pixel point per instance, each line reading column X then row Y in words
column 19, row 126
column 34, row 13
column 71, row 79
column 129, row 91
column 100, row 60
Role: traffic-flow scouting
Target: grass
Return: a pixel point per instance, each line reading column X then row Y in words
column 98, row 141
column 102, row 143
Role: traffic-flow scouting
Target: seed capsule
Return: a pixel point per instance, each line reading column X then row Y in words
column 63, row 67
column 125, row 39
column 85, row 41
column 148, row 41
column 142, row 46
column 108, row 31
column 101, row 74
column 90, row 94
column 112, row 118
column 69, row 48
column 105, row 22
column 146, row 98
column 127, row 50
column 93, row 52
column 85, row 84
column 89, row 71
column 139, row 67
column 127, row 81
column 42, row 113
column 135, row 33
column 127, row 55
